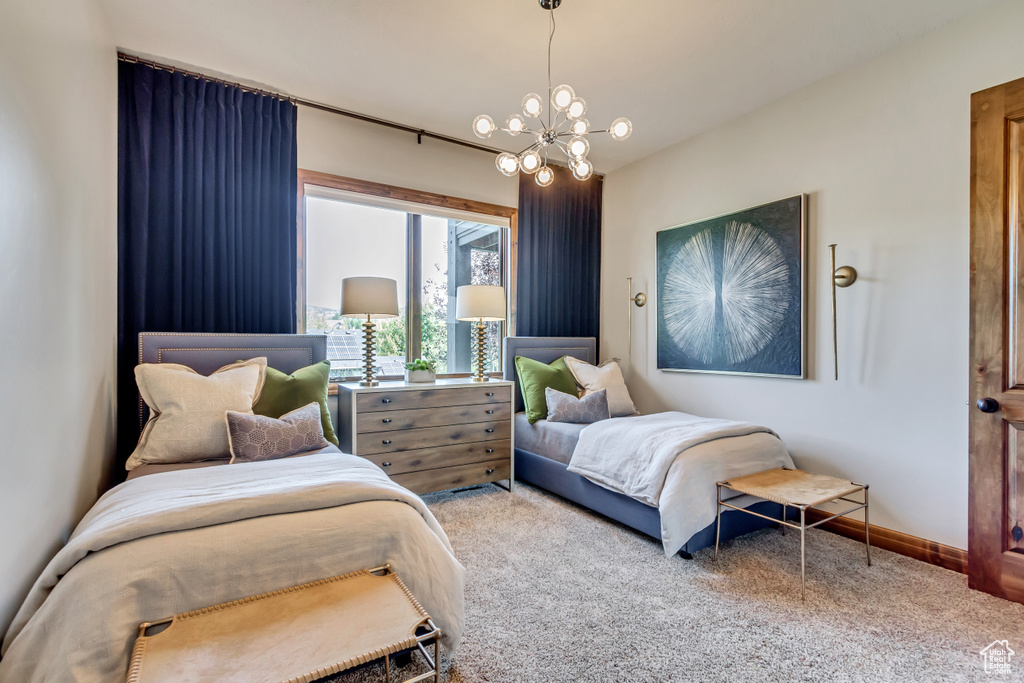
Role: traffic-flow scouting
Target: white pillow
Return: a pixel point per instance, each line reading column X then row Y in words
column 607, row 376
column 187, row 409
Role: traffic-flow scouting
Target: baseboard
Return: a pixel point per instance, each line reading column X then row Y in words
column 898, row 542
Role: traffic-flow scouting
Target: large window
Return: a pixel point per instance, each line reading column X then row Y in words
column 429, row 249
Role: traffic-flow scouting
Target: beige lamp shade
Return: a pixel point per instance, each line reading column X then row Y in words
column 376, row 297
column 480, row 302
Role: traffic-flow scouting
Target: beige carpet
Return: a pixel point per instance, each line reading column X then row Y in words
column 555, row 593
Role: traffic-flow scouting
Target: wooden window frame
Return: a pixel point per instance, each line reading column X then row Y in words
column 425, row 199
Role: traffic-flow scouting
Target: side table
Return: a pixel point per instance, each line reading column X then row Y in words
column 801, row 490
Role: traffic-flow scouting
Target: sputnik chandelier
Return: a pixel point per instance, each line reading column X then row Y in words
column 566, row 121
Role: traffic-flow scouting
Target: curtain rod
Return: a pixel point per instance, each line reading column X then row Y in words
column 418, row 132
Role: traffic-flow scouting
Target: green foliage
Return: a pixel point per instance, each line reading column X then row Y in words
column 420, row 364
column 391, row 336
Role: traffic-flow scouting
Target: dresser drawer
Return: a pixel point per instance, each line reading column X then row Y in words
column 442, row 456
column 428, row 437
column 389, row 420
column 373, row 401
column 453, row 477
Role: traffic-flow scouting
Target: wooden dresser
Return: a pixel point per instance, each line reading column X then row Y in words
column 431, row 437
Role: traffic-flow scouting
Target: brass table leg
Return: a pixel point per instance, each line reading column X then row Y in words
column 867, row 527
column 785, row 509
column 718, row 521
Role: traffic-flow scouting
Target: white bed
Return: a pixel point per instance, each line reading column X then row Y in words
column 175, row 541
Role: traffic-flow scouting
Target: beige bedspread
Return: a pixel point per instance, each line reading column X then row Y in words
column 177, row 541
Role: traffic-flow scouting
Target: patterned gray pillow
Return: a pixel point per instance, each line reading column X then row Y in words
column 564, row 407
column 255, row 437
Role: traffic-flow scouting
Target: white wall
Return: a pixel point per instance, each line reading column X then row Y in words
column 883, row 150
column 342, row 146
column 58, row 264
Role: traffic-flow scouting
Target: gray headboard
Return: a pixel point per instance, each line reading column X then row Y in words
column 545, row 350
column 205, row 352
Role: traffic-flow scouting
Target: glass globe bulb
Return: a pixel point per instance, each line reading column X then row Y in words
column 561, row 97
column 533, row 105
column 576, row 108
column 579, row 127
column 544, row 176
column 578, row 147
column 515, row 124
column 483, row 126
column 582, row 169
column 530, row 161
column 507, row 163
column 620, row 129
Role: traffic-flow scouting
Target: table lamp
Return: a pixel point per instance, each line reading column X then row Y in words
column 482, row 303
column 375, row 298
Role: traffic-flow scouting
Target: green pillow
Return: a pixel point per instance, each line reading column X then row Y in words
column 535, row 376
column 284, row 393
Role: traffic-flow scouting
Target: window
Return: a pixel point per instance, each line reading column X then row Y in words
column 430, row 249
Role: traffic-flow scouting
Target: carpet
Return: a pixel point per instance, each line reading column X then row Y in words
column 556, row 593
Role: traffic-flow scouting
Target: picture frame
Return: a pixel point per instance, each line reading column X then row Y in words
column 731, row 293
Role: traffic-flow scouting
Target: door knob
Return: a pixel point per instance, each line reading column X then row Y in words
column 988, row 405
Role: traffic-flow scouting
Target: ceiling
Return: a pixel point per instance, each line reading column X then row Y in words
column 674, row 67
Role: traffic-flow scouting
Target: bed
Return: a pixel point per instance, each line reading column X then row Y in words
column 176, row 539
column 543, row 451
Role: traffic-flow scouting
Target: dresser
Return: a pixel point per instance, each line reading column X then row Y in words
column 431, row 437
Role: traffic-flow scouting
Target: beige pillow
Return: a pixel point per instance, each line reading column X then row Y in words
column 607, row 376
column 187, row 409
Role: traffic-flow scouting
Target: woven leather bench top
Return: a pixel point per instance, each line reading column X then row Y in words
column 292, row 635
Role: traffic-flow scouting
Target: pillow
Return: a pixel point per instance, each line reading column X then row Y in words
column 256, row 437
column 607, row 376
column 582, row 411
column 535, row 376
column 284, row 393
column 187, row 409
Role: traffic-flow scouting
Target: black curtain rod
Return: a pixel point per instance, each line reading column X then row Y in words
column 418, row 132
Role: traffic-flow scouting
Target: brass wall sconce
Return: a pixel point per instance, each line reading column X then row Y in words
column 640, row 300
column 843, row 276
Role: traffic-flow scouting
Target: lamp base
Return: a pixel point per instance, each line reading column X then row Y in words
column 481, row 332
column 368, row 354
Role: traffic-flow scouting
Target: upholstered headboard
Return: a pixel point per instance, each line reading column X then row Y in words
column 204, row 352
column 545, row 350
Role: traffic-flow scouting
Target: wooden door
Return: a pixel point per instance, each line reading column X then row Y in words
column 996, row 506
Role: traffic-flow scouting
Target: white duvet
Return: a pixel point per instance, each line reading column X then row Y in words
column 176, row 541
column 673, row 461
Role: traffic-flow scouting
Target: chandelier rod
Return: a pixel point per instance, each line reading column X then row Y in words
column 551, row 37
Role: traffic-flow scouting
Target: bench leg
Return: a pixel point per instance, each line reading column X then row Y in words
column 387, row 668
column 803, row 570
column 785, row 509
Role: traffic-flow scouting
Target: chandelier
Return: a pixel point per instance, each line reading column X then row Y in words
column 565, row 121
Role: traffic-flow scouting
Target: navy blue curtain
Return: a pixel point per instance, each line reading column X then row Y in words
column 207, row 235
column 559, row 279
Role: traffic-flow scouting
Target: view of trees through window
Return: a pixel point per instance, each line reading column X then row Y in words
column 344, row 239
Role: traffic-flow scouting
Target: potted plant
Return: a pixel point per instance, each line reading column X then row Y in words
column 420, row 371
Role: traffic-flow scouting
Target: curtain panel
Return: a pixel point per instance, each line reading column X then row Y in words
column 559, row 273
column 207, row 177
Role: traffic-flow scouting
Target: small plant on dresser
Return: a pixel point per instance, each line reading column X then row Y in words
column 420, row 371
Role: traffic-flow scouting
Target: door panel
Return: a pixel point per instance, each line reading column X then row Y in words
column 996, row 558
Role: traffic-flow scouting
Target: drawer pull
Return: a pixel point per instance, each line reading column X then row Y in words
column 385, row 400
column 490, row 412
column 385, row 464
column 490, row 471
column 489, row 450
column 489, row 394
column 386, row 420
column 386, row 441
column 489, row 430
